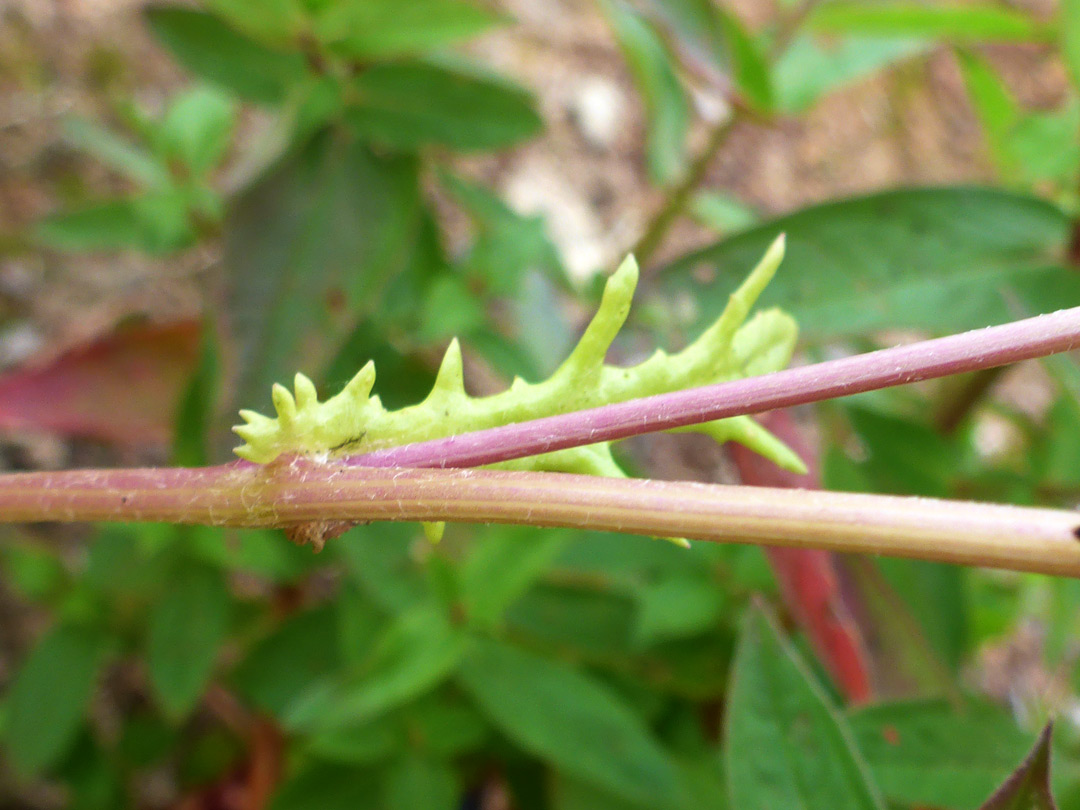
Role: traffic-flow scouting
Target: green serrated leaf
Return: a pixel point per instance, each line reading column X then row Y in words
column 355, row 422
column 785, row 745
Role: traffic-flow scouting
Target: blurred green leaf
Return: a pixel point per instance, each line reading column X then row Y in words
column 959, row 22
column 928, row 753
column 415, row 782
column 784, row 744
column 501, row 566
column 187, row 629
column 276, row 22
column 371, row 741
column 108, row 226
column 418, row 651
column 378, row 29
column 810, row 67
column 1044, row 146
column 1069, row 28
column 330, row 219
column 569, row 719
column 903, row 456
column 748, row 62
column 34, row 573
column 299, row 652
column 935, row 258
column 327, row 787
column 450, row 309
column 409, row 104
column 116, row 152
column 995, row 106
column 198, row 404
column 654, row 71
column 197, row 128
column 1028, row 787
column 678, row 607
column 722, row 212
column 49, row 696
column 507, row 245
column 210, row 49
column 697, row 25
column 381, row 560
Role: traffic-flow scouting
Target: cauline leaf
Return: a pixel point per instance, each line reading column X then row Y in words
column 355, row 422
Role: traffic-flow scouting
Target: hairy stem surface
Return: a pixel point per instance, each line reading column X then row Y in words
column 302, row 492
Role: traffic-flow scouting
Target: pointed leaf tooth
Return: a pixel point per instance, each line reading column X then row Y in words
column 451, row 376
column 284, row 403
column 606, row 323
column 254, row 417
column 306, row 395
column 359, row 387
column 249, row 433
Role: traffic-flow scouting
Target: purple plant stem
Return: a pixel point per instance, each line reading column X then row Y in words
column 969, row 351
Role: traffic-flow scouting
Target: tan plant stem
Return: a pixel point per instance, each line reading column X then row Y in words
column 300, row 492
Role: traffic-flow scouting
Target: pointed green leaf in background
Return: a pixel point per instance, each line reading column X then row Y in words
column 941, row 259
column 48, row 697
column 382, row 29
column 1028, row 787
column 929, row 753
column 1069, row 28
column 785, row 745
column 501, row 566
column 654, row 70
column 330, row 220
column 749, row 66
column 212, row 50
column 568, row 718
column 810, row 67
column 963, row 22
column 408, row 104
column 197, row 128
column 187, row 628
column 417, row 651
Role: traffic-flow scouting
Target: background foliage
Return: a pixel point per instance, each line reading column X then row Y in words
column 325, row 168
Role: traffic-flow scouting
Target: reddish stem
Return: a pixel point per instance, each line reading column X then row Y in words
column 968, row 351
